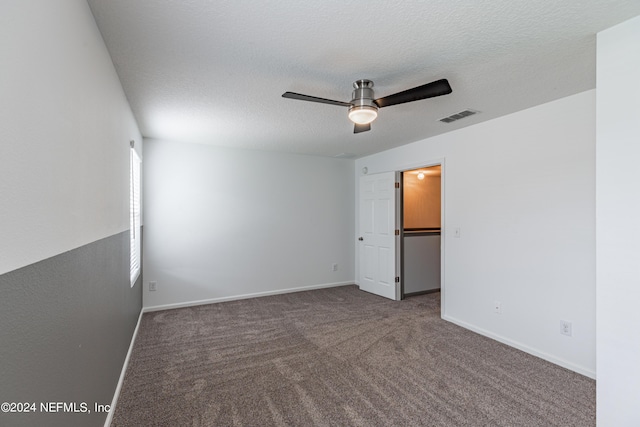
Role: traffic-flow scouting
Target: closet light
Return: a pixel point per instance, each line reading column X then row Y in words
column 421, row 175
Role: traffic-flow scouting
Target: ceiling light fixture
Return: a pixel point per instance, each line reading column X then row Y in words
column 362, row 115
column 421, row 175
column 363, row 110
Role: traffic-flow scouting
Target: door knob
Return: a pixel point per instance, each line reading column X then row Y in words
column 360, row 238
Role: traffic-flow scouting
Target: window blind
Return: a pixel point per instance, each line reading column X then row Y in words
column 134, row 216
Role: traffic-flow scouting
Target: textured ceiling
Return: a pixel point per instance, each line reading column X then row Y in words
column 214, row 71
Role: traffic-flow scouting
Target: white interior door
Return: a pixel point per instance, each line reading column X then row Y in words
column 377, row 237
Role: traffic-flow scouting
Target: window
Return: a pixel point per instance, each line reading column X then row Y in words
column 134, row 214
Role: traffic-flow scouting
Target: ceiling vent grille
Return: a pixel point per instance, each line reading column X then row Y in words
column 458, row 116
column 344, row 156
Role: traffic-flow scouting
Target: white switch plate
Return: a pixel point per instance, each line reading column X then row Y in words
column 565, row 327
column 456, row 232
column 497, row 307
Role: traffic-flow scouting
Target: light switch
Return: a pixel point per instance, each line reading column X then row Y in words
column 456, row 232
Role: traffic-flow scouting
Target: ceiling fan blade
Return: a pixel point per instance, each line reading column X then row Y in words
column 437, row 88
column 361, row 128
column 301, row 97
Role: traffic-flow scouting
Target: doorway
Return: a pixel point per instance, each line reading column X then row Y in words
column 421, row 229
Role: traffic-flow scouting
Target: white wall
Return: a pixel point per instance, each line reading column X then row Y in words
column 223, row 223
column 521, row 189
column 618, row 225
column 65, row 127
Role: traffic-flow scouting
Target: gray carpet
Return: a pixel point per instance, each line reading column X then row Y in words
column 338, row 357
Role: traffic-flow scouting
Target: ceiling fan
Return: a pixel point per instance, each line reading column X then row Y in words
column 363, row 108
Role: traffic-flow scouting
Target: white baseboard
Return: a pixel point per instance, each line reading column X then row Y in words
column 114, row 401
column 243, row 296
column 542, row 355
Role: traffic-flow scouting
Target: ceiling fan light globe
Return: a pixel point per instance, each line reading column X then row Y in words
column 362, row 114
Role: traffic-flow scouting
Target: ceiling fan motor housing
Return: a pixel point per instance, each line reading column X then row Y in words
column 362, row 101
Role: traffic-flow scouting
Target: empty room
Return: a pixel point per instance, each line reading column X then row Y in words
column 340, row 213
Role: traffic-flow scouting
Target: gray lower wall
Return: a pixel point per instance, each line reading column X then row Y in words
column 65, row 327
column 421, row 257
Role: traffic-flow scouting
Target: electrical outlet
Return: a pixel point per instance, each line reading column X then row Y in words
column 497, row 307
column 565, row 327
column 334, row 267
column 153, row 286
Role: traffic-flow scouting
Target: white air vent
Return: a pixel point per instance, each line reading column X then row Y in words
column 461, row 115
column 344, row 156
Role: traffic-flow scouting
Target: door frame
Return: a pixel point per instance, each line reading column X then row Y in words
column 400, row 208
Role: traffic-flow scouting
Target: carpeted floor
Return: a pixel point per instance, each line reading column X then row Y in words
column 338, row 357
